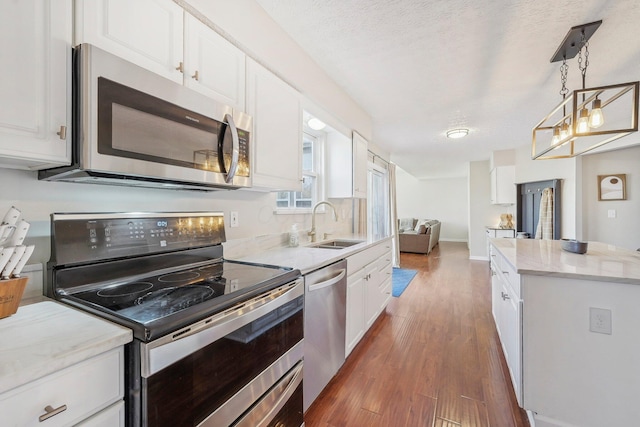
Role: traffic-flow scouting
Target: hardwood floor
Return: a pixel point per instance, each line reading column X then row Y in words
column 433, row 359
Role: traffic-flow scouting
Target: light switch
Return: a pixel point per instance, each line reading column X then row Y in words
column 611, row 213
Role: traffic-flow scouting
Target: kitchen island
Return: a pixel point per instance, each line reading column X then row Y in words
column 568, row 325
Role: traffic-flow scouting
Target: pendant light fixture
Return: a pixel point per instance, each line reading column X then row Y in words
column 579, row 130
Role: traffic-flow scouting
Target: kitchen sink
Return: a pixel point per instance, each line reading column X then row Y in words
column 336, row 244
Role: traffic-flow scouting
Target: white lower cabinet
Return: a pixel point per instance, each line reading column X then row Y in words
column 89, row 393
column 113, row 416
column 354, row 328
column 368, row 290
column 507, row 312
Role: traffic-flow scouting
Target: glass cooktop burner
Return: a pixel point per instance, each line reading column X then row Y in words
column 125, row 290
column 156, row 297
column 179, row 277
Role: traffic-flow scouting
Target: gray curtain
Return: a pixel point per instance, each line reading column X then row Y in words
column 393, row 215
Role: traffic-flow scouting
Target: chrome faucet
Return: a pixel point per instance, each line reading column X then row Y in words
column 312, row 233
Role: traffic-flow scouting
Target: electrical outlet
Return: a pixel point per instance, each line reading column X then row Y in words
column 600, row 320
column 611, row 213
column 233, row 219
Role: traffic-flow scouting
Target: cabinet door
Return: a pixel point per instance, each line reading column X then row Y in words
column 355, row 310
column 277, row 130
column 496, row 299
column 359, row 166
column 35, row 88
column 511, row 336
column 371, row 294
column 145, row 32
column 113, row 416
column 85, row 389
column 503, row 189
column 212, row 65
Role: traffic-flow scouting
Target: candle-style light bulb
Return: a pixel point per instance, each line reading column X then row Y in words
column 596, row 118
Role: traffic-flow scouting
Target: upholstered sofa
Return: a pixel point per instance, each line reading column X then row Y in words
column 418, row 235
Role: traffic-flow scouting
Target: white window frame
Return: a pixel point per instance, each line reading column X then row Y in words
column 319, row 139
column 373, row 168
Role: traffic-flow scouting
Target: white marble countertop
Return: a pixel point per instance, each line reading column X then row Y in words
column 46, row 337
column 546, row 257
column 308, row 259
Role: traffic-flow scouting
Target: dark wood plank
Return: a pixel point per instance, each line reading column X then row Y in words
column 432, row 359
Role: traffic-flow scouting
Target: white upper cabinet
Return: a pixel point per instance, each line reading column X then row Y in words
column 148, row 33
column 159, row 36
column 347, row 167
column 212, row 65
column 277, row 130
column 35, row 88
column 503, row 188
column 360, row 146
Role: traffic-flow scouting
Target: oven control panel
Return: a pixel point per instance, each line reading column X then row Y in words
column 80, row 238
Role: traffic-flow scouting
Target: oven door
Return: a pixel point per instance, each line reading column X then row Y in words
column 240, row 367
column 136, row 123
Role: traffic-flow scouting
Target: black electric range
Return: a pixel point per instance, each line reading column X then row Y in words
column 152, row 272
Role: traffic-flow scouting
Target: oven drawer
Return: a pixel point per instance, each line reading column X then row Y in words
column 84, row 388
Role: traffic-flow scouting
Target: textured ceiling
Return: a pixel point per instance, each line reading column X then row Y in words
column 420, row 67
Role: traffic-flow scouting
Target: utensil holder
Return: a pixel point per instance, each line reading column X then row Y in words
column 11, row 291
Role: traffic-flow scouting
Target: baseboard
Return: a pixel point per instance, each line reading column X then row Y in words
column 453, row 240
column 478, row 258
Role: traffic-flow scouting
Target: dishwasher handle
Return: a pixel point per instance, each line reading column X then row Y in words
column 335, row 279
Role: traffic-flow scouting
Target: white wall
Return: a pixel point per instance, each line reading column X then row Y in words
column 624, row 229
column 441, row 199
column 481, row 212
column 528, row 170
column 38, row 199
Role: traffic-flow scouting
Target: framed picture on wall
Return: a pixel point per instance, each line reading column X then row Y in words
column 612, row 187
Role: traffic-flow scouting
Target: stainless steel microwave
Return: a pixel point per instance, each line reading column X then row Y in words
column 134, row 127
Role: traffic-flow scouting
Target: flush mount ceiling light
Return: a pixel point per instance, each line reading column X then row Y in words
column 316, row 124
column 564, row 134
column 457, row 133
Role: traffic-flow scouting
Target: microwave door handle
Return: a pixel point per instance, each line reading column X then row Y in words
column 235, row 149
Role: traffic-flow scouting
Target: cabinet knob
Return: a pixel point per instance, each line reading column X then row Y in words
column 196, row 76
column 50, row 412
column 180, row 67
column 62, row 133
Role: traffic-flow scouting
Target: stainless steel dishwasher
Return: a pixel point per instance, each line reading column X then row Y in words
column 324, row 327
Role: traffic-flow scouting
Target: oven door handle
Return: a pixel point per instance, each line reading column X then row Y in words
column 162, row 352
column 266, row 409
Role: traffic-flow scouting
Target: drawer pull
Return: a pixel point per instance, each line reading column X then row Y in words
column 505, row 272
column 50, row 412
